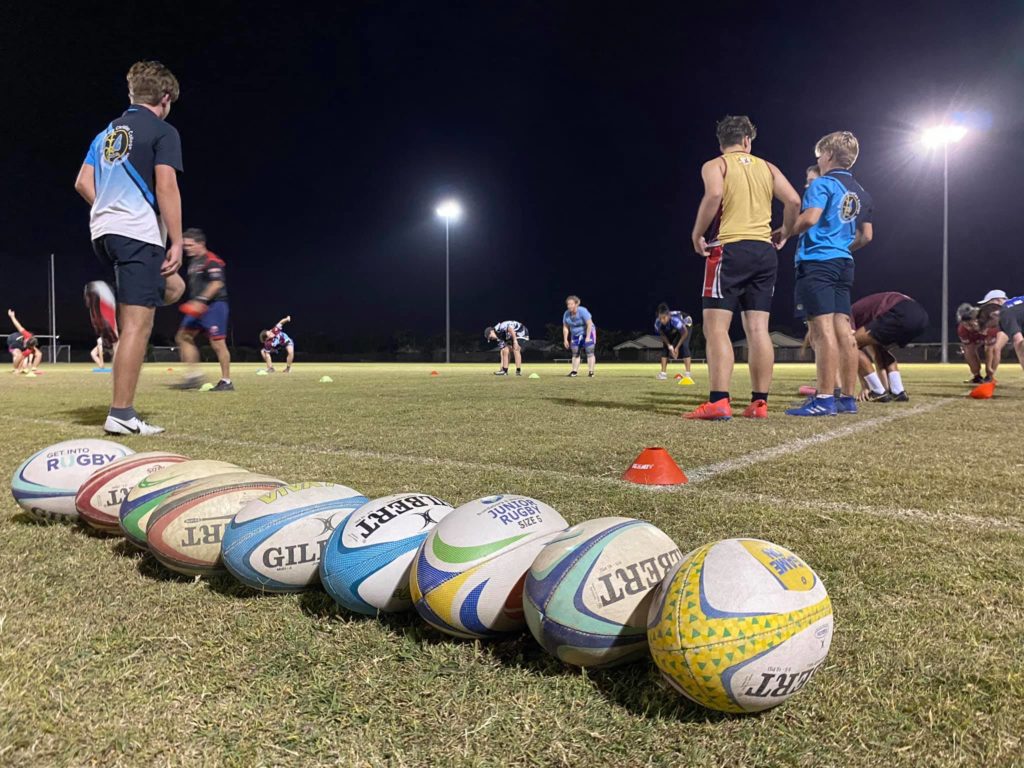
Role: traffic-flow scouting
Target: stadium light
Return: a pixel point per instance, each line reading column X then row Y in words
column 450, row 211
column 943, row 136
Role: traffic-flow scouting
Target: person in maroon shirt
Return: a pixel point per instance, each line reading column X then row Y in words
column 978, row 346
column 882, row 321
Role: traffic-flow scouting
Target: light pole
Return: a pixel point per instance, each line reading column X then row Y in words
column 450, row 211
column 943, row 136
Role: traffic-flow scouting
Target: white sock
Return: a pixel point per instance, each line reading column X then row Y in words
column 895, row 382
column 875, row 383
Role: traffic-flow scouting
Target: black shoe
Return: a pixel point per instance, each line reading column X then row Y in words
column 189, row 382
column 571, row 375
column 590, row 375
column 518, row 372
column 885, row 397
column 502, row 372
column 223, row 386
column 975, row 380
column 902, row 397
column 987, row 380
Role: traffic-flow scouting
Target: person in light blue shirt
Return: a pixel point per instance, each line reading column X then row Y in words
column 579, row 333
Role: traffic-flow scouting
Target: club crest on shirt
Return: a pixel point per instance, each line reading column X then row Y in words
column 117, row 144
column 849, row 207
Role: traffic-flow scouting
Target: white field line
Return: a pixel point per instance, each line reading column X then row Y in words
column 696, row 476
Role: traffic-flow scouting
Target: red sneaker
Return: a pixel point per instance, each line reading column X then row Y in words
column 756, row 410
column 717, row 411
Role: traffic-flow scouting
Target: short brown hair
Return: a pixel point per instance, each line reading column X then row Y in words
column 813, row 169
column 150, row 81
column 733, row 129
column 842, row 145
column 987, row 314
column 264, row 335
column 572, row 297
column 194, row 233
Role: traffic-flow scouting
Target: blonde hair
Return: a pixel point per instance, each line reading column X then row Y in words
column 150, row 81
column 842, row 145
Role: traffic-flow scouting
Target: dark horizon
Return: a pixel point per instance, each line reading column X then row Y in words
column 317, row 143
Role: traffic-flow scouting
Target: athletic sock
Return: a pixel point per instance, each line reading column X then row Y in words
column 124, row 414
column 875, row 383
column 825, row 397
column 895, row 382
column 226, row 381
column 519, row 370
column 755, row 396
column 716, row 396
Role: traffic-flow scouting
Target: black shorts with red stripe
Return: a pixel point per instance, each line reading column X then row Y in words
column 741, row 276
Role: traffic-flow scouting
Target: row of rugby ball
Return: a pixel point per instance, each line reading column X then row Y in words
column 599, row 593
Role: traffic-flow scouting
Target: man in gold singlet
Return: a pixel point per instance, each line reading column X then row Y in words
column 733, row 232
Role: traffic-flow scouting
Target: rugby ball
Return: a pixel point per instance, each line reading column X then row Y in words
column 99, row 499
column 154, row 489
column 365, row 567
column 46, row 483
column 467, row 578
column 186, row 530
column 740, row 625
column 587, row 594
column 275, row 542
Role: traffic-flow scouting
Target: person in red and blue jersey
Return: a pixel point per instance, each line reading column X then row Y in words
column 130, row 180
column 835, row 222
column 1009, row 319
column 23, row 346
column 205, row 312
column 276, row 340
column 674, row 328
column 579, row 334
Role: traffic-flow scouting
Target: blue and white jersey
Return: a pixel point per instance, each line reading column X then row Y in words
column 577, row 323
column 677, row 321
column 510, row 328
column 124, row 157
column 844, row 205
column 1016, row 301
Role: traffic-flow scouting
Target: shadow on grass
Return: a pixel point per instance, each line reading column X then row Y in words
column 87, row 415
column 640, row 689
column 149, row 567
column 126, row 549
column 657, row 405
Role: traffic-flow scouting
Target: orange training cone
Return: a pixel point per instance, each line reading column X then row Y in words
column 679, row 376
column 984, row 391
column 434, row 373
column 654, row 466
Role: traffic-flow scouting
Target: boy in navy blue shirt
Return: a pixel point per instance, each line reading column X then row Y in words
column 835, row 222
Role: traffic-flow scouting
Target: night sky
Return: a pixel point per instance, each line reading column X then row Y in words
column 317, row 143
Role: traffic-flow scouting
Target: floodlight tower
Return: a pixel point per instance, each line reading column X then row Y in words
column 450, row 211
column 943, row 136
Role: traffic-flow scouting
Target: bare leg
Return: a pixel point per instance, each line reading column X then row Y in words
column 267, row 359
column 97, row 356
column 220, row 348
column 189, row 351
column 826, row 352
column 591, row 362
column 291, row 357
column 1018, row 347
column 761, row 353
column 664, row 364
column 847, row 347
column 504, row 358
column 134, row 324
column 686, row 363
column 719, row 348
column 575, row 363
column 972, row 359
column 518, row 352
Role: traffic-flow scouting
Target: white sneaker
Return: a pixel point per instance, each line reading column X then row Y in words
column 133, row 426
column 662, row 376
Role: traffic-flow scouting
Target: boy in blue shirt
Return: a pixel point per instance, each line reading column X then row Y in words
column 674, row 329
column 835, row 222
column 579, row 333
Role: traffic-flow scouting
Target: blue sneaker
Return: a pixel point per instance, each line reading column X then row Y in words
column 815, row 406
column 846, row 404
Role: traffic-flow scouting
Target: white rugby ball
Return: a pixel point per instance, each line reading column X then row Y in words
column 467, row 578
column 46, row 483
column 366, row 564
column 185, row 531
column 275, row 542
column 99, row 499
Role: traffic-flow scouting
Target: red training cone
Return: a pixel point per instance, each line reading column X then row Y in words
column 679, row 376
column 654, row 466
column 434, row 373
column 984, row 391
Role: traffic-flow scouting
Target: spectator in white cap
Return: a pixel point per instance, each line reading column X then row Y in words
column 994, row 297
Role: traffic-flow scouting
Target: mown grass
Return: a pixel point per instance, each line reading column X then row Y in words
column 915, row 524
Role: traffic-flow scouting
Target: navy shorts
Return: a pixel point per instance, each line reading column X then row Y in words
column 900, row 325
column 575, row 342
column 214, row 322
column 1011, row 320
column 136, row 266
column 673, row 339
column 741, row 276
column 823, row 287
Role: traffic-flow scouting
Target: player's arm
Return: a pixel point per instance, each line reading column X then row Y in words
column 284, row 320
column 713, row 175
column 565, row 334
column 790, row 200
column 85, row 184
column 168, row 198
column 17, row 326
column 864, row 234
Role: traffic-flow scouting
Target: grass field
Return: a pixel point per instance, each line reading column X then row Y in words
column 911, row 514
